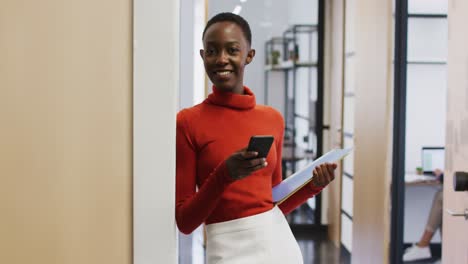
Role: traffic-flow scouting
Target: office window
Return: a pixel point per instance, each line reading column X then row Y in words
column 427, row 39
column 427, row 6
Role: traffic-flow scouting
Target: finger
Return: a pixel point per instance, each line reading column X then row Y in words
column 315, row 173
column 331, row 166
column 247, row 171
column 327, row 169
column 317, row 177
column 249, row 154
column 258, row 167
column 255, row 162
column 243, row 154
column 331, row 171
column 326, row 175
column 319, row 173
column 249, row 163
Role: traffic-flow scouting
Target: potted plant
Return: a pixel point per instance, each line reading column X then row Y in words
column 275, row 55
column 419, row 170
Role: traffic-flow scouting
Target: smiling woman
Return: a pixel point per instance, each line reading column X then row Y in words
column 234, row 197
column 227, row 52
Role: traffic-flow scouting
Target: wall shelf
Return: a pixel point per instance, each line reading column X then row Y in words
column 296, row 51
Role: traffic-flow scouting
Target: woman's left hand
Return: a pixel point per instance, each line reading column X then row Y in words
column 323, row 174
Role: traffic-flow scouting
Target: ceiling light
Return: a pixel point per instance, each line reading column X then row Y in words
column 237, row 9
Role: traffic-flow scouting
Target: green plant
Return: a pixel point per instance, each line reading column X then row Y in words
column 275, row 57
column 419, row 170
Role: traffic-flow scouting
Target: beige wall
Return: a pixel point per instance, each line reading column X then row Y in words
column 455, row 229
column 65, row 138
column 334, row 89
column 373, row 128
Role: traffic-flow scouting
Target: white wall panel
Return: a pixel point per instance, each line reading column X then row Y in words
column 426, row 110
column 350, row 74
column 348, row 115
column 347, row 195
column 427, row 39
column 427, row 6
column 156, row 82
column 347, row 232
column 348, row 163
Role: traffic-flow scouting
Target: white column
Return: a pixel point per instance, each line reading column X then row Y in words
column 156, row 82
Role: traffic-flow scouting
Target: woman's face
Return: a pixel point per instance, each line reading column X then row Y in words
column 226, row 52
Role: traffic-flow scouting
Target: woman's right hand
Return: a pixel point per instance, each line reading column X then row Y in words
column 242, row 163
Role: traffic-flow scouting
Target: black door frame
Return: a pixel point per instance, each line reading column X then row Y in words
column 320, row 99
column 319, row 125
column 399, row 130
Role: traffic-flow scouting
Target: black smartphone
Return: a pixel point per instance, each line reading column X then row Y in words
column 260, row 144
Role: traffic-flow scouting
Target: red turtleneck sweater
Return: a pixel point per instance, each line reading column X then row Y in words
column 207, row 134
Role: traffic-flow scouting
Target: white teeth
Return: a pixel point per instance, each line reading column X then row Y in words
column 224, row 73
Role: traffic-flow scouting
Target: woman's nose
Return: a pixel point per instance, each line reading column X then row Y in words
column 222, row 58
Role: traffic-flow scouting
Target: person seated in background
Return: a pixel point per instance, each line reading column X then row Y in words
column 421, row 249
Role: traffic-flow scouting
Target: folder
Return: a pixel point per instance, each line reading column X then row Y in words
column 296, row 181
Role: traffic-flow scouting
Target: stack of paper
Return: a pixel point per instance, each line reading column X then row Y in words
column 296, row 181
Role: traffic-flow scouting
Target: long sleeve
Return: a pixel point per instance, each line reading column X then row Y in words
column 301, row 196
column 193, row 208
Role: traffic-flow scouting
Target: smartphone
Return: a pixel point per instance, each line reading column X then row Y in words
column 260, row 144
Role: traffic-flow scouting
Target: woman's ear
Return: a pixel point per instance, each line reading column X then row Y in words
column 202, row 52
column 250, row 56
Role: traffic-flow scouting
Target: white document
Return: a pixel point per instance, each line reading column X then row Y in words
column 294, row 182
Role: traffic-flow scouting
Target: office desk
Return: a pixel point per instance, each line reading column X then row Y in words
column 413, row 179
column 419, row 193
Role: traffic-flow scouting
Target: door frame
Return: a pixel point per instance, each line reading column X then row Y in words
column 399, row 132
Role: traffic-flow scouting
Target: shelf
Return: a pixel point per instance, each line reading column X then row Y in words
column 279, row 40
column 299, row 154
column 278, row 67
column 302, row 29
column 306, row 64
column 288, row 65
column 294, row 50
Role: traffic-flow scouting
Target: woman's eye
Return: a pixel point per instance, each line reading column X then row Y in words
column 210, row 51
column 233, row 50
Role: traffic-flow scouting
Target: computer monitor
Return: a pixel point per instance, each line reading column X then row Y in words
column 432, row 158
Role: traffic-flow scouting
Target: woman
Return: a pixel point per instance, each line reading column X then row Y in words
column 421, row 250
column 234, row 197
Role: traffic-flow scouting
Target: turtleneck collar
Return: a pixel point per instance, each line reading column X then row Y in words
column 232, row 100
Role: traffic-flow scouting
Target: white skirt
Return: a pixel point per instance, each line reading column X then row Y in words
column 262, row 238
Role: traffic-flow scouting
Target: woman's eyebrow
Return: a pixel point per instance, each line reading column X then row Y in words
column 213, row 42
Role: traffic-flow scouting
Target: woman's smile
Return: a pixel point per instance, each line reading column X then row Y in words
column 223, row 75
column 225, row 54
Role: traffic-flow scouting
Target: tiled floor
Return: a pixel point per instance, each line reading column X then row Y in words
column 302, row 215
column 317, row 249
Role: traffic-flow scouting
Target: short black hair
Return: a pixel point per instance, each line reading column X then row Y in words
column 231, row 17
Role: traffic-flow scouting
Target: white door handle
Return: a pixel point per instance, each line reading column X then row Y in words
column 452, row 213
